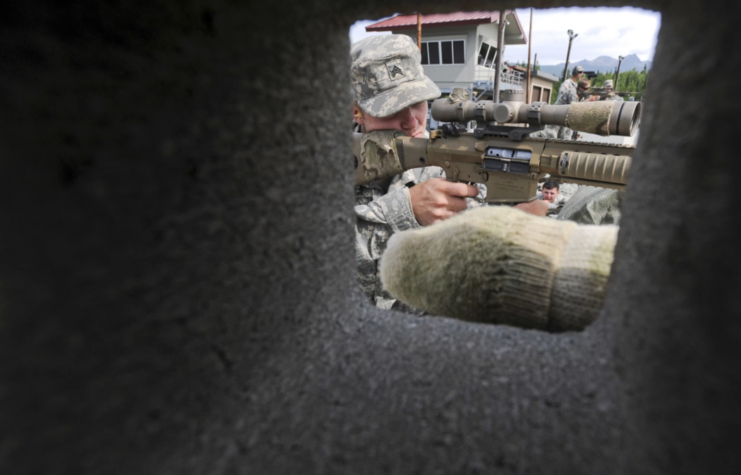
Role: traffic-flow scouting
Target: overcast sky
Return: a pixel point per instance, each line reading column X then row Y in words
column 601, row 32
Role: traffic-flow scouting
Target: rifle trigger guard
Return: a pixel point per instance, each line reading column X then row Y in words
column 482, row 173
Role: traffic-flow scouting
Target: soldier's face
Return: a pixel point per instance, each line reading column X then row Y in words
column 550, row 194
column 412, row 120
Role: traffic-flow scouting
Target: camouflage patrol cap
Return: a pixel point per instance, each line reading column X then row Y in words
column 608, row 83
column 387, row 75
column 577, row 70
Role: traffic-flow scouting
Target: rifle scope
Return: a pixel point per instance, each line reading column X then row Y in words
column 601, row 118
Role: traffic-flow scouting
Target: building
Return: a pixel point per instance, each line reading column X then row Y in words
column 460, row 50
column 541, row 83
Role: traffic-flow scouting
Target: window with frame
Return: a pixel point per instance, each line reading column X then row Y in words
column 487, row 56
column 444, row 52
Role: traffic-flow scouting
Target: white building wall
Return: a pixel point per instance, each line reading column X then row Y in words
column 449, row 76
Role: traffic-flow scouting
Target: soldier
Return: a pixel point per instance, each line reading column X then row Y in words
column 582, row 89
column 609, row 93
column 551, row 194
column 391, row 93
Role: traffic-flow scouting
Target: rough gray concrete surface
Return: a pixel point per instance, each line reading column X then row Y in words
column 177, row 284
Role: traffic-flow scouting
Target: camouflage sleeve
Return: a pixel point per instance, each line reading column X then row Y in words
column 394, row 209
column 372, row 231
column 379, row 213
column 572, row 96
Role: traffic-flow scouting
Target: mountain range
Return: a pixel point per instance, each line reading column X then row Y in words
column 604, row 64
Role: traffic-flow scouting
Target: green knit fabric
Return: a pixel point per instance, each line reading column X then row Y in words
column 501, row 265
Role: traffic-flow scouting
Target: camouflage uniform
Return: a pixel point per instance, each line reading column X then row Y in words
column 593, row 205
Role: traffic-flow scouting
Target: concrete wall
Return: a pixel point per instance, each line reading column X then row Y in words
column 176, row 287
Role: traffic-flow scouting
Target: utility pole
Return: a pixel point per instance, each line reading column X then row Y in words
column 571, row 38
column 419, row 31
column 535, row 64
column 500, row 50
column 529, row 45
column 617, row 73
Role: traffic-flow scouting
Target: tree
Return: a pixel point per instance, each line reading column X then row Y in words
column 630, row 81
column 554, row 91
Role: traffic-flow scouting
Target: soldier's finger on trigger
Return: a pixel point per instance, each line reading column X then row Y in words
column 456, row 203
column 462, row 189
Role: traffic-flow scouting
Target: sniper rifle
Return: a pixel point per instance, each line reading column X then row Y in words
column 503, row 157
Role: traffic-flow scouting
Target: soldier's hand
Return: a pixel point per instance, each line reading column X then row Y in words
column 536, row 207
column 439, row 199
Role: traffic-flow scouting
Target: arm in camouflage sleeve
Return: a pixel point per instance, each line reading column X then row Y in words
column 379, row 214
column 392, row 210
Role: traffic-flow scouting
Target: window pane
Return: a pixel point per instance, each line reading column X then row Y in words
column 458, row 52
column 447, row 50
column 482, row 53
column 424, row 53
column 434, row 53
column 490, row 57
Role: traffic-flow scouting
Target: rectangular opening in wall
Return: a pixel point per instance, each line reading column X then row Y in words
column 541, row 50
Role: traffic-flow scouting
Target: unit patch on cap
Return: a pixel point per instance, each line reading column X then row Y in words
column 394, row 69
